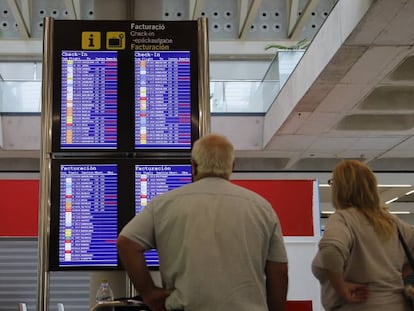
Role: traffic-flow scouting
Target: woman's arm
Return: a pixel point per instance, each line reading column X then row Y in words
column 351, row 292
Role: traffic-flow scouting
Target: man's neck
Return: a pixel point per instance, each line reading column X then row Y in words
column 206, row 175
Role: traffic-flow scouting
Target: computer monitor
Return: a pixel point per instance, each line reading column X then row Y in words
column 152, row 180
column 163, row 100
column 84, row 214
column 88, row 100
column 125, row 102
column 93, row 199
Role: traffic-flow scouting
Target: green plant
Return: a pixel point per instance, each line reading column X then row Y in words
column 300, row 45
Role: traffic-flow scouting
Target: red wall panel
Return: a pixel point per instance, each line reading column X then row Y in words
column 291, row 199
column 299, row 306
column 19, row 207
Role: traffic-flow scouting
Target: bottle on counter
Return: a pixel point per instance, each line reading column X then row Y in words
column 104, row 292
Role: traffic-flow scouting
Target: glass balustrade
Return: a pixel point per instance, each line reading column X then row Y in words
column 20, row 96
column 226, row 96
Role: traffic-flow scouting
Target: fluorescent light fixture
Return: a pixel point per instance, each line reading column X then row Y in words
column 391, row 212
column 409, row 192
column 392, row 200
column 380, row 185
column 394, row 186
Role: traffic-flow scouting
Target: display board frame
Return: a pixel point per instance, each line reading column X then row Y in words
column 75, row 35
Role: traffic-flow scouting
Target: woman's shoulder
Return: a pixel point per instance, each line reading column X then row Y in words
column 345, row 213
column 348, row 217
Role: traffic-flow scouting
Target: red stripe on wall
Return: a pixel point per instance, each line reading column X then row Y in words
column 291, row 199
column 19, row 207
column 299, row 306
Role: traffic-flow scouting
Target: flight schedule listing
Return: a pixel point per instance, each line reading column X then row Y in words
column 153, row 180
column 89, row 100
column 162, row 100
column 88, row 215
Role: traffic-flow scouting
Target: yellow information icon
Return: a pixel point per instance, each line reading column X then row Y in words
column 91, row 40
column 115, row 40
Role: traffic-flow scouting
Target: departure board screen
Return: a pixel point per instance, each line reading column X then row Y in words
column 89, row 99
column 88, row 216
column 125, row 101
column 162, row 100
column 153, row 180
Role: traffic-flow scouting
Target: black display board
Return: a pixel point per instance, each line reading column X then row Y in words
column 124, row 109
column 92, row 199
column 125, row 87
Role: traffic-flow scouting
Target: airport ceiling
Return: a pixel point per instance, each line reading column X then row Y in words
column 361, row 105
column 241, row 20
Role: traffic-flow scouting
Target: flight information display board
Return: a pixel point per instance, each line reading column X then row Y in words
column 86, row 215
column 123, row 101
column 125, row 87
column 93, row 199
column 89, row 100
column 162, row 100
column 153, row 180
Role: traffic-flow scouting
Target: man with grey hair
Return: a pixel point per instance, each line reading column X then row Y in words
column 220, row 245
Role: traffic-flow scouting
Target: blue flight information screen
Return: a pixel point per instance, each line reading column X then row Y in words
column 153, row 180
column 162, row 100
column 89, row 100
column 88, row 217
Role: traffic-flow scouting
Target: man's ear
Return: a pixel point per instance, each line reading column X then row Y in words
column 194, row 167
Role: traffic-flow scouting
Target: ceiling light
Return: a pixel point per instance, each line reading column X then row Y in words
column 392, row 200
column 380, row 185
column 394, row 186
column 409, row 192
column 391, row 212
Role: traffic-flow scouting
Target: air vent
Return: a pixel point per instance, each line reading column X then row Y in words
column 316, row 164
column 376, row 122
column 260, row 164
column 404, row 71
column 388, row 98
column 392, row 164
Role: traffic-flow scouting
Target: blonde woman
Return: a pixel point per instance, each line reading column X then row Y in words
column 360, row 260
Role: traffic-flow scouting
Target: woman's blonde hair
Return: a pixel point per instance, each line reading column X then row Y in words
column 355, row 185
